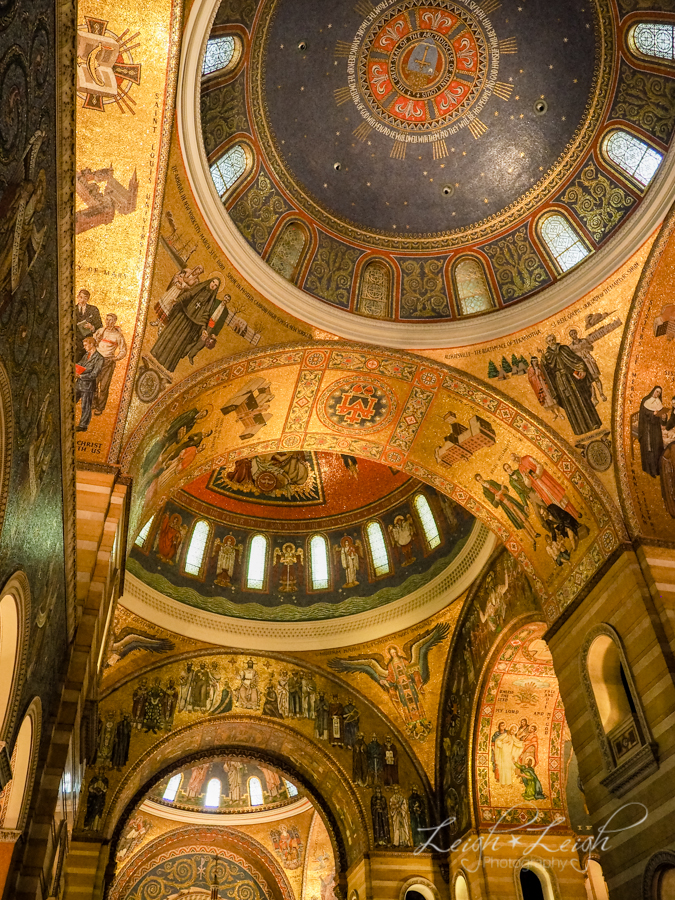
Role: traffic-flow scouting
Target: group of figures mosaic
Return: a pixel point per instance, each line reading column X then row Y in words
column 653, row 425
column 565, row 377
column 400, row 542
column 533, row 500
column 504, row 594
column 99, row 347
column 204, row 688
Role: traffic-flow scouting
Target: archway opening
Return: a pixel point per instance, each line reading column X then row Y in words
column 419, row 892
column 664, row 883
column 461, row 888
column 9, row 647
column 608, row 682
column 530, row 885
column 18, row 787
column 596, row 886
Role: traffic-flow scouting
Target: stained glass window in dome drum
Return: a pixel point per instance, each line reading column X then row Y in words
column 172, row 788
column 195, row 554
column 212, row 799
column 228, row 169
column 375, row 290
column 257, row 563
column 378, row 548
column 655, row 39
column 562, row 241
column 635, row 157
column 318, row 557
column 288, row 250
column 473, row 293
column 145, row 531
column 221, row 53
column 255, row 791
column 428, row 521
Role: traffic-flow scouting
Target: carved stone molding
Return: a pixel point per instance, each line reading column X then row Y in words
column 8, row 836
column 643, row 763
column 5, row 766
column 663, row 859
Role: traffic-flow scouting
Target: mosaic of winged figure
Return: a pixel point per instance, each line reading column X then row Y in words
column 402, row 674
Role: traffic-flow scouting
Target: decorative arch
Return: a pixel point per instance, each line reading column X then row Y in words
column 661, row 865
column 413, row 395
column 543, row 872
column 248, row 855
column 271, row 741
column 15, row 617
column 422, row 885
column 6, row 439
column 624, row 736
column 15, row 799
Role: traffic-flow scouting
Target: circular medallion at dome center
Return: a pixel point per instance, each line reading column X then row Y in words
column 422, row 68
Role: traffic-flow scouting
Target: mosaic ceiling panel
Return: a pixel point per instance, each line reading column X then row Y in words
column 410, row 128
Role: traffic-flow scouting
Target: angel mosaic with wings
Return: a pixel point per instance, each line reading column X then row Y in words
column 403, row 674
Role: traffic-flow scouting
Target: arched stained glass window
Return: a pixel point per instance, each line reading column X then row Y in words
column 318, row 560
column 255, row 791
column 562, row 241
column 378, row 548
column 473, row 293
column 431, row 533
column 633, row 156
column 172, row 788
column 145, row 531
column 291, row 788
column 212, row 799
column 221, row 54
column 229, row 168
column 653, row 39
column 195, row 554
column 257, row 563
column 288, row 250
column 375, row 290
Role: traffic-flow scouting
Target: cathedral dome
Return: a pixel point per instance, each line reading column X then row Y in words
column 301, row 538
column 421, row 161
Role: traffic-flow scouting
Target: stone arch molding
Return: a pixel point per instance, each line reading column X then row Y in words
column 331, row 790
column 663, row 859
column 263, row 868
column 305, row 397
column 6, row 439
column 14, row 593
column 422, row 885
column 24, row 768
column 543, row 871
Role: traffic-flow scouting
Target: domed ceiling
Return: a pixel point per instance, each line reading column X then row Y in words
column 404, row 156
column 335, row 536
column 236, row 785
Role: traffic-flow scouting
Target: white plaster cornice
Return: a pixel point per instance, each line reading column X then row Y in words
column 196, row 817
column 420, row 336
column 250, row 634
